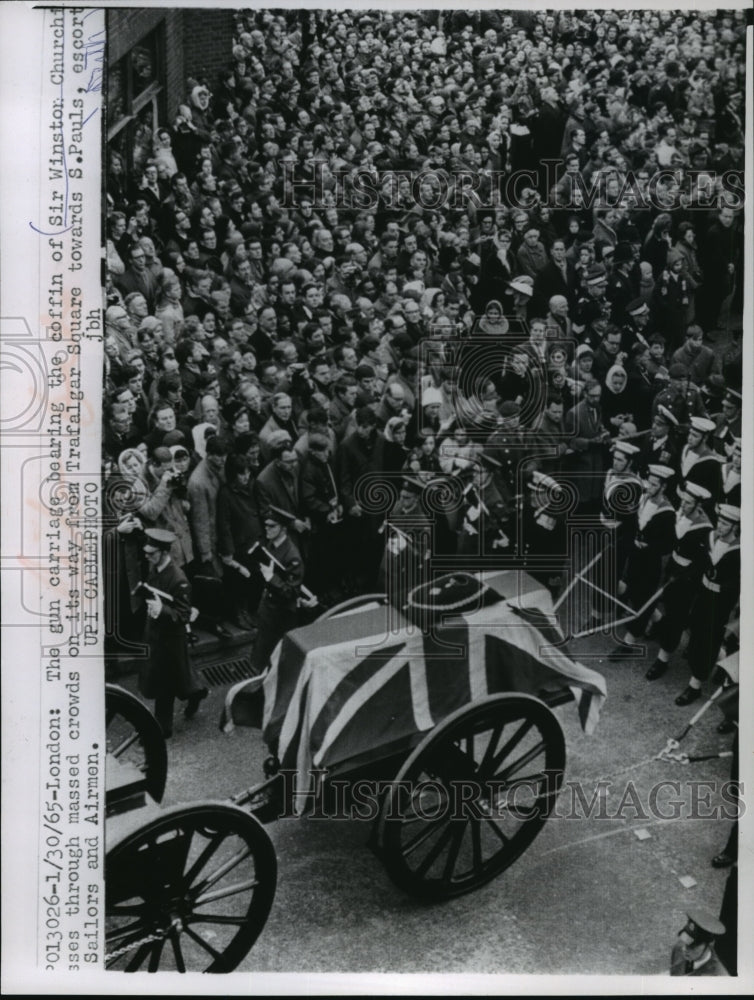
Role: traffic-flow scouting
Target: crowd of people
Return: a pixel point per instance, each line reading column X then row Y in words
column 405, row 285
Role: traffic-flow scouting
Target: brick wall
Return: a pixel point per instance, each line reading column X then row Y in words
column 197, row 43
column 207, row 42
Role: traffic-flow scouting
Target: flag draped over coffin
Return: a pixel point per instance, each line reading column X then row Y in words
column 350, row 686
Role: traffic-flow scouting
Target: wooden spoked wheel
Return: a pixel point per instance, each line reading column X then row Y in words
column 188, row 892
column 134, row 737
column 472, row 796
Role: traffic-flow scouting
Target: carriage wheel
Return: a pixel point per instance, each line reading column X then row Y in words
column 472, row 796
column 188, row 892
column 134, row 736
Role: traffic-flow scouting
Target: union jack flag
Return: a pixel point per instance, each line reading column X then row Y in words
column 366, row 683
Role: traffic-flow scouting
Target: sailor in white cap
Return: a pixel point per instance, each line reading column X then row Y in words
column 699, row 463
column 715, row 600
column 653, row 540
column 620, row 499
column 683, row 574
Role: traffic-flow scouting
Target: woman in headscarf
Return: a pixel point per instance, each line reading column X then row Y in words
column 394, row 449
column 616, row 405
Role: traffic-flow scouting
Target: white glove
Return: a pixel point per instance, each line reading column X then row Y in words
column 267, row 571
column 154, row 607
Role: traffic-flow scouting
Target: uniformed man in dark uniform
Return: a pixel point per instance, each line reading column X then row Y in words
column 681, row 398
column 683, row 574
column 593, row 306
column 506, row 446
column 485, row 527
column 715, row 600
column 635, row 326
column 727, row 422
column 620, row 499
column 731, row 475
column 544, row 538
column 278, row 609
column 168, row 602
column 408, row 544
column 694, row 953
column 653, row 540
column 698, row 462
column 660, row 447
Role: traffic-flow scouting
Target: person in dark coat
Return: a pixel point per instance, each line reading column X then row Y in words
column 720, row 254
column 587, row 438
column 278, row 609
column 731, row 475
column 683, row 574
column 544, row 532
column 359, row 456
column 653, row 540
column 277, row 491
column 698, row 462
column 238, row 528
column 168, row 604
column 715, row 600
column 321, row 500
column 557, row 277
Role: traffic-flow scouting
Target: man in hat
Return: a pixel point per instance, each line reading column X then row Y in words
column 283, row 575
column 593, row 304
column 653, row 539
column 660, row 448
column 727, row 422
column 715, row 600
column 484, row 522
column 634, row 325
column 544, row 533
column 698, row 462
column 407, row 534
column 682, row 398
column 620, row 499
column 168, row 604
column 694, row 953
column 683, row 574
column 506, row 445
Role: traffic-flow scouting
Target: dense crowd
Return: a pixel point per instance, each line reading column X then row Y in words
column 404, row 285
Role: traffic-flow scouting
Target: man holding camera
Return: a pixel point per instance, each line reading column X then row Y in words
column 167, row 504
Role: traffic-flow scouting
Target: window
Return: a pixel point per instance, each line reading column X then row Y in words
column 135, row 98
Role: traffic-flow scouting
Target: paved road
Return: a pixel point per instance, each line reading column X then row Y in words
column 587, row 896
